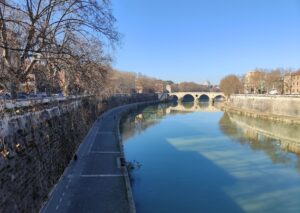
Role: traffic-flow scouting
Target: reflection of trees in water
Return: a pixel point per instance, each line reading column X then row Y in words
column 138, row 121
column 274, row 148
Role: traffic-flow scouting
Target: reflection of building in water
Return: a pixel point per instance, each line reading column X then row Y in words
column 271, row 137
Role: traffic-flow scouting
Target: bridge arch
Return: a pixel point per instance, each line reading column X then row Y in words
column 188, row 98
column 173, row 97
column 219, row 98
column 203, row 98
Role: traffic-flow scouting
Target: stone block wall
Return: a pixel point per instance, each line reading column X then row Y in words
column 36, row 147
column 271, row 105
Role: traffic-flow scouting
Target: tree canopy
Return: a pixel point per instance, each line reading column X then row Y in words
column 61, row 35
column 231, row 84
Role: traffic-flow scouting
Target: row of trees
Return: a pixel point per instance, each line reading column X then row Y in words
column 130, row 82
column 48, row 37
column 193, row 87
column 258, row 81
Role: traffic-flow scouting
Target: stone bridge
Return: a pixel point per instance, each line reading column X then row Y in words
column 197, row 95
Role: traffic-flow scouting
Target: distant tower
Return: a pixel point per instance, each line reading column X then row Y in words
column 168, row 88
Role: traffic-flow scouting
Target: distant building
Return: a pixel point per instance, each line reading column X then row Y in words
column 254, row 82
column 292, row 83
column 206, row 83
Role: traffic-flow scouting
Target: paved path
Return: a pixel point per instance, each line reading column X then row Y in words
column 95, row 182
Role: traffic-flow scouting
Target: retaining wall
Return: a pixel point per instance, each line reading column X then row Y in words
column 277, row 107
column 35, row 148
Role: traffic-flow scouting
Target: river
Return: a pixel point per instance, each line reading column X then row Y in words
column 195, row 158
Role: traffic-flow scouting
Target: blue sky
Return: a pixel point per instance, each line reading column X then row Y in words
column 197, row 40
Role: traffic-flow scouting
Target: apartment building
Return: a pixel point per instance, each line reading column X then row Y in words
column 292, row 83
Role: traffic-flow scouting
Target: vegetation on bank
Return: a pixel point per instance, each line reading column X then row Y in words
column 61, row 42
column 261, row 81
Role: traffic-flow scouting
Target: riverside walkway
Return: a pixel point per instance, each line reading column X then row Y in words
column 96, row 181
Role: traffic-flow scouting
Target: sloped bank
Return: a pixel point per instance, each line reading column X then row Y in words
column 285, row 108
column 36, row 147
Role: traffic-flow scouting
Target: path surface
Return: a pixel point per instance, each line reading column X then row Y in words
column 95, row 182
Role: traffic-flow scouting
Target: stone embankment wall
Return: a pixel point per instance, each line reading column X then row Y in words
column 35, row 148
column 276, row 107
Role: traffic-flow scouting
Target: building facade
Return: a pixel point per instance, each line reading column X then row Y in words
column 254, row 82
column 292, row 83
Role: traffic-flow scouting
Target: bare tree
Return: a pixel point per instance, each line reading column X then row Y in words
column 231, row 84
column 274, row 80
column 190, row 87
column 121, row 82
column 287, row 83
column 48, row 31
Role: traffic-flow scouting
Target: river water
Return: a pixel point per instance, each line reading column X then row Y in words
column 196, row 158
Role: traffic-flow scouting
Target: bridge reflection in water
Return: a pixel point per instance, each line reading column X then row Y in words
column 260, row 134
column 193, row 107
column 151, row 115
column 198, row 160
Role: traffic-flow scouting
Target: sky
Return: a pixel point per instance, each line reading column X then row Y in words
column 198, row 40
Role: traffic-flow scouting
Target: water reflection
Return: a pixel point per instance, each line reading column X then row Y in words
column 261, row 134
column 196, row 158
column 143, row 118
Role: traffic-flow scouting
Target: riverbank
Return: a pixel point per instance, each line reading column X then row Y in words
column 37, row 143
column 277, row 108
column 220, row 161
column 97, row 181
